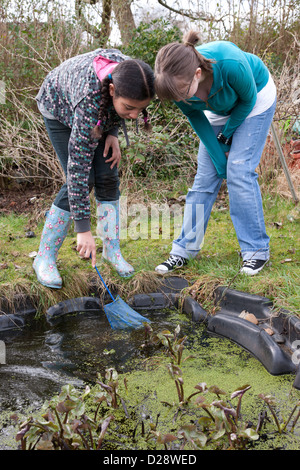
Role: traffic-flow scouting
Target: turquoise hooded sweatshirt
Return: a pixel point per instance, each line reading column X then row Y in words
column 237, row 78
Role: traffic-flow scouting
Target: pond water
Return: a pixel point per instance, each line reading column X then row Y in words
column 43, row 357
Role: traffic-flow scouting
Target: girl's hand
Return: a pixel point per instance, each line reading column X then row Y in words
column 112, row 142
column 86, row 246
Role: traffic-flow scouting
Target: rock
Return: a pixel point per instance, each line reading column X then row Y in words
column 30, row 234
column 279, row 338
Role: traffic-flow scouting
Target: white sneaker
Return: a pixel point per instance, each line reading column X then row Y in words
column 173, row 262
column 253, row 266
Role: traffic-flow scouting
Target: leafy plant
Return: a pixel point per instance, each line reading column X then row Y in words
column 163, row 152
column 73, row 421
column 281, row 426
column 148, row 38
column 110, row 389
column 222, row 420
column 221, row 427
column 64, row 425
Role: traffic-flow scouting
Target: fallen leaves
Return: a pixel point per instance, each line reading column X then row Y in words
column 249, row 317
column 252, row 319
column 269, row 331
column 6, row 266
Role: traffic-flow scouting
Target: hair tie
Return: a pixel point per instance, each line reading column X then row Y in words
column 109, row 76
column 145, row 119
column 189, row 44
column 99, row 123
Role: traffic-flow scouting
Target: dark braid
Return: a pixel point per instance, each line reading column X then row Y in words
column 147, row 125
column 133, row 79
column 106, row 103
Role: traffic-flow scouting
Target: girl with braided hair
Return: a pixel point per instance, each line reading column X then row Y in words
column 83, row 102
column 229, row 98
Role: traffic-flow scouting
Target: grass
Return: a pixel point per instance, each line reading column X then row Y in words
column 218, row 262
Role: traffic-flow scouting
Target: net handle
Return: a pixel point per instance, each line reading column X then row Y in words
column 104, row 283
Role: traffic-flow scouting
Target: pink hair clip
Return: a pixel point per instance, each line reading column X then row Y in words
column 99, row 123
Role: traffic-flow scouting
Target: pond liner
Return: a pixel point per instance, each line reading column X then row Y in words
column 141, row 302
column 167, row 297
column 11, row 321
column 17, row 316
column 162, row 300
column 278, row 352
column 78, row 304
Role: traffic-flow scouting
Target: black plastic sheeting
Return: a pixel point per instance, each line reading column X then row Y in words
column 277, row 352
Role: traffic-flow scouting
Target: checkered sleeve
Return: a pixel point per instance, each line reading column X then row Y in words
column 81, row 153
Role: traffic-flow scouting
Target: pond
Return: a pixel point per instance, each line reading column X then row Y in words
column 43, row 357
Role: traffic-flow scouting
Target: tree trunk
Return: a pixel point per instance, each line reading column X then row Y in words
column 100, row 34
column 125, row 20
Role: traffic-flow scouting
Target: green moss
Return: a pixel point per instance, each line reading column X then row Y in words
column 215, row 362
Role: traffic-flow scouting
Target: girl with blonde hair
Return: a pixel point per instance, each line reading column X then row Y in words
column 229, row 98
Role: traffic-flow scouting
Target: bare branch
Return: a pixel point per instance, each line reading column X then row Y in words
column 26, row 152
column 102, row 33
column 187, row 13
column 42, row 63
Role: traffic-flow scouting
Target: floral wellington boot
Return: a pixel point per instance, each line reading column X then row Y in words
column 55, row 230
column 108, row 229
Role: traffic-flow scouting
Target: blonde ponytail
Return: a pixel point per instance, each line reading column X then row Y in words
column 178, row 61
column 192, row 38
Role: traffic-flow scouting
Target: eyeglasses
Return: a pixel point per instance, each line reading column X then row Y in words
column 185, row 95
column 188, row 90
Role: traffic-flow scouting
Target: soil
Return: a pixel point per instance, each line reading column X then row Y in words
column 24, row 200
column 27, row 198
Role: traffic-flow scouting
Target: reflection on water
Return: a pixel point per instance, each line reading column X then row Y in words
column 42, row 358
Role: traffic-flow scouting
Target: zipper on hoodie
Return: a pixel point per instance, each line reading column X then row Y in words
column 210, row 97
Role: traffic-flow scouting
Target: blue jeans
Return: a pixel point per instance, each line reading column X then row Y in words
column 245, row 201
column 104, row 180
